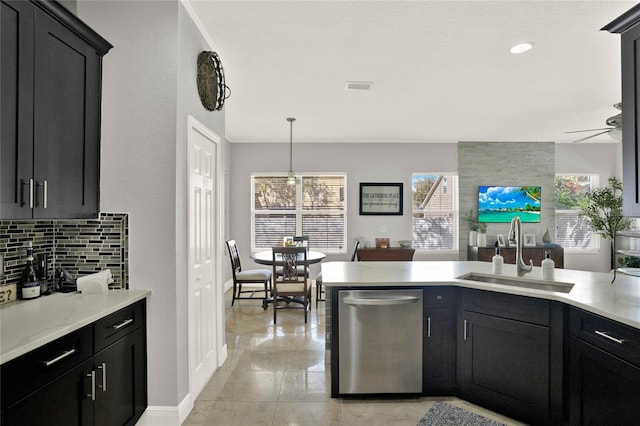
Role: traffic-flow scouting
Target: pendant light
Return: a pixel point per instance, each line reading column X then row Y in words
column 291, row 176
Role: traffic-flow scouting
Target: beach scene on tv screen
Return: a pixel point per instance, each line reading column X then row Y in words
column 499, row 204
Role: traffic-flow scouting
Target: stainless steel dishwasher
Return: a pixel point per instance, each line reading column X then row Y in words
column 380, row 341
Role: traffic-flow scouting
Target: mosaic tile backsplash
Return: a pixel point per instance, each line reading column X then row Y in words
column 81, row 246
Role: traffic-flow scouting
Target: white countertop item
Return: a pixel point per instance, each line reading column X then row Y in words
column 97, row 283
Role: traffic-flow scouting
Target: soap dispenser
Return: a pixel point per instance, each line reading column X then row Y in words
column 497, row 260
column 547, row 266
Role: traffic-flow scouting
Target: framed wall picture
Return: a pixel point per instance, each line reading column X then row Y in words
column 529, row 240
column 380, row 198
column 501, row 242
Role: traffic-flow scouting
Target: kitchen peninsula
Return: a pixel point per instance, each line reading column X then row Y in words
column 538, row 356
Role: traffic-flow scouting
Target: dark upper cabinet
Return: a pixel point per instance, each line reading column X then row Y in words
column 51, row 93
column 16, row 95
column 627, row 26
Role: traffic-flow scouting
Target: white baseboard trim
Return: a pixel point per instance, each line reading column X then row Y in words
column 228, row 285
column 174, row 416
column 166, row 416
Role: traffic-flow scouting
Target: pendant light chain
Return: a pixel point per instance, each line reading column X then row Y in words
column 291, row 177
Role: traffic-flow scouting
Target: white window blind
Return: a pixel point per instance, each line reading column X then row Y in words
column 315, row 206
column 572, row 230
column 435, row 211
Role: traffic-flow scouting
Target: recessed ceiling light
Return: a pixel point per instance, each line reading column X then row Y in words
column 521, row 47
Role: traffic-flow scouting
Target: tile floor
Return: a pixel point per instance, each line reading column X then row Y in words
column 277, row 375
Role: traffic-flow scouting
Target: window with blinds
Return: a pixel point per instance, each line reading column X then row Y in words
column 315, row 206
column 573, row 231
column 435, row 212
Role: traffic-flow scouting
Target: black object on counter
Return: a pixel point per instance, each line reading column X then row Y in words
column 65, row 283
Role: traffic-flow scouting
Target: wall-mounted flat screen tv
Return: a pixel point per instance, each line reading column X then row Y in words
column 500, row 204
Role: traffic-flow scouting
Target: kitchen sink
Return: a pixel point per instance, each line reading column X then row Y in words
column 557, row 286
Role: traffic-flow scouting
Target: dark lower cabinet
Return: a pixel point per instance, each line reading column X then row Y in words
column 64, row 401
column 93, row 376
column 121, row 400
column 604, row 372
column 504, row 365
column 605, row 390
column 439, row 341
column 504, row 350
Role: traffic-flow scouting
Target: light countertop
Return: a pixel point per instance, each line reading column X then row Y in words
column 26, row 325
column 592, row 291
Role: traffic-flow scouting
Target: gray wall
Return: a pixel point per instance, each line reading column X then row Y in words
column 493, row 162
column 363, row 162
column 148, row 90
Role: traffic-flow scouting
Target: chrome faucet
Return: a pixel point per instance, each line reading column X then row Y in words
column 515, row 235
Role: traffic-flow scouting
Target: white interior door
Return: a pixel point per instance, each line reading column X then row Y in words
column 203, row 262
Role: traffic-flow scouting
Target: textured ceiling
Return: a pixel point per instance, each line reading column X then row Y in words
column 441, row 70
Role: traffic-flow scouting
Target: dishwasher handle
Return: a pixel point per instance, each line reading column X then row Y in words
column 377, row 301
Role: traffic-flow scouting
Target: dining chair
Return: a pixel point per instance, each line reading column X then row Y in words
column 319, row 289
column 299, row 241
column 249, row 276
column 291, row 290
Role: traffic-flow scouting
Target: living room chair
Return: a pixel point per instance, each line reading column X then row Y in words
column 291, row 290
column 250, row 276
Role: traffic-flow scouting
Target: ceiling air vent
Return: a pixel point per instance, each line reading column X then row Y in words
column 358, row 85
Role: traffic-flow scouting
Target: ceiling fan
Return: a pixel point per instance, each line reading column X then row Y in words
column 614, row 130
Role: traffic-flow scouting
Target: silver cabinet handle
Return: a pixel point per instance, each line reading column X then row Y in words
column 59, row 358
column 93, row 385
column 103, row 367
column 428, row 326
column 464, row 331
column 45, row 193
column 607, row 336
column 30, row 183
column 122, row 324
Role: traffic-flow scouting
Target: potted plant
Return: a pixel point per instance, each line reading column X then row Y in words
column 603, row 208
column 482, row 234
column 474, row 227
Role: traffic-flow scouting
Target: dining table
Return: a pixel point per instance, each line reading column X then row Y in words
column 265, row 257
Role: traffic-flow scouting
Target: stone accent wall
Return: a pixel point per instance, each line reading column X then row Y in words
column 81, row 246
column 506, row 164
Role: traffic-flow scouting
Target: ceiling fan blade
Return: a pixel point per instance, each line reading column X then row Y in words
column 592, row 136
column 590, row 130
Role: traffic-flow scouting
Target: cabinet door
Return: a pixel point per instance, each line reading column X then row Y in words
column 604, row 390
column 65, row 401
column 504, row 365
column 16, row 76
column 631, row 120
column 66, row 124
column 438, row 370
column 121, row 395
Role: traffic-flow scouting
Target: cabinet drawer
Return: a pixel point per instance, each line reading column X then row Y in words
column 519, row 308
column 29, row 372
column 439, row 297
column 611, row 336
column 117, row 325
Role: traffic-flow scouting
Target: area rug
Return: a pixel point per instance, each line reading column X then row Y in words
column 444, row 414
